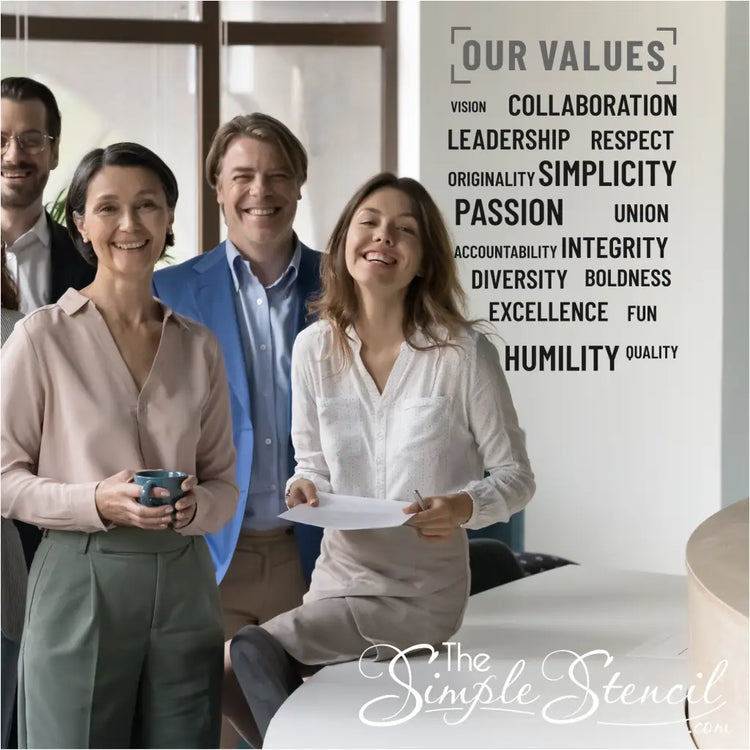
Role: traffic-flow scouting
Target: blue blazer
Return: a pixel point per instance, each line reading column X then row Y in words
column 202, row 289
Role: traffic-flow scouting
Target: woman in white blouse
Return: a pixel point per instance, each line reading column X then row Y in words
column 394, row 390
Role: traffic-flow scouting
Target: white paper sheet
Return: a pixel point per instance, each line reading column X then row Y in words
column 349, row 512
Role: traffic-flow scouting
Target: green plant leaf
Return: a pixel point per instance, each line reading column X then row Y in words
column 56, row 208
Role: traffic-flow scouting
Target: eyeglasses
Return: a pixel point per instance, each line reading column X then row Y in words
column 31, row 142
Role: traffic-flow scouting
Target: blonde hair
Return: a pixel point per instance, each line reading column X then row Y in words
column 435, row 301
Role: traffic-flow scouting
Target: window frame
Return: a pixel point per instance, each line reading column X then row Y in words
column 207, row 35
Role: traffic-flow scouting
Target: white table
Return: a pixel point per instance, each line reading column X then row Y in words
column 639, row 619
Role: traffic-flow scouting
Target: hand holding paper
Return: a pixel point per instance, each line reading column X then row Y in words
column 301, row 491
column 347, row 512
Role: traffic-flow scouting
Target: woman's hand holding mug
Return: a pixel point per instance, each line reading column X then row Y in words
column 121, row 502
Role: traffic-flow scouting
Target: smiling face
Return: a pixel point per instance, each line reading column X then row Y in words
column 258, row 194
column 383, row 248
column 25, row 175
column 126, row 219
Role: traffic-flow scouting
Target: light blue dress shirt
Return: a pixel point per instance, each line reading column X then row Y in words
column 267, row 317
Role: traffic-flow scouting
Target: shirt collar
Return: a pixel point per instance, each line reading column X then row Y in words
column 39, row 231
column 237, row 261
column 73, row 301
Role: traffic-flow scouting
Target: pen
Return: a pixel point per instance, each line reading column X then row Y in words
column 420, row 500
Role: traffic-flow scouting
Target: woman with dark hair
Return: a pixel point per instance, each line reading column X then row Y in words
column 122, row 643
column 393, row 391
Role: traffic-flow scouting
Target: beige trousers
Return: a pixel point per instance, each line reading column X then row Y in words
column 264, row 579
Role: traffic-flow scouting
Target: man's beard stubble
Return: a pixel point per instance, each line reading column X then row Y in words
column 26, row 192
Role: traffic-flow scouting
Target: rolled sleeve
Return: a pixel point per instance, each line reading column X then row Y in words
column 509, row 484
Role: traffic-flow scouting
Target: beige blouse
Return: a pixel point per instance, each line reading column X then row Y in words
column 72, row 415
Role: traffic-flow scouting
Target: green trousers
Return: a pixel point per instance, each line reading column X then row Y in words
column 123, row 643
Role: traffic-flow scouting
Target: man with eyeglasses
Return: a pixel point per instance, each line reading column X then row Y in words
column 39, row 253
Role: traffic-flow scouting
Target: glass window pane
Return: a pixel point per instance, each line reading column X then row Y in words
column 121, row 92
column 330, row 97
column 185, row 10
column 304, row 11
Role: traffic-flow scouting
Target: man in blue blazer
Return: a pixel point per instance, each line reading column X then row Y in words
column 251, row 292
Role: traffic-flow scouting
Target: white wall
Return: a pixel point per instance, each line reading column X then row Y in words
column 736, row 200
column 628, row 461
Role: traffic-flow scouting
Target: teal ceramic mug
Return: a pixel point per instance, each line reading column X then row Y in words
column 168, row 480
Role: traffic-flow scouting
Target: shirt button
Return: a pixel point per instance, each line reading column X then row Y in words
column 273, row 487
column 262, row 347
column 268, row 441
column 259, row 301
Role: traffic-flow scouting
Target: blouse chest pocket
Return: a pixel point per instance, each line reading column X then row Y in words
column 421, row 427
column 341, row 424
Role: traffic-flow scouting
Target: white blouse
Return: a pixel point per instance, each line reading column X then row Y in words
column 444, row 417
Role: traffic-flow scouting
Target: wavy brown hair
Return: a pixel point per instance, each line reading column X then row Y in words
column 435, row 301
